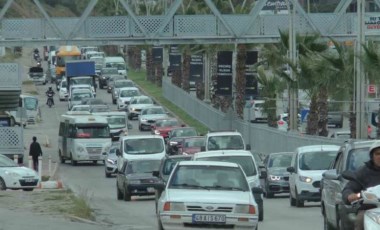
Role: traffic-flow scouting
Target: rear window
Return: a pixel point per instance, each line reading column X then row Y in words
column 318, row 160
column 245, row 162
column 356, row 158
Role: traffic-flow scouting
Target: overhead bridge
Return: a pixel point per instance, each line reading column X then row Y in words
column 173, row 28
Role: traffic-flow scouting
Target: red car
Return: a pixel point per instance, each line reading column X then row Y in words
column 191, row 145
column 163, row 127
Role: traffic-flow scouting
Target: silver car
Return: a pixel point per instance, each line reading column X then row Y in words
column 111, row 160
column 137, row 104
column 117, row 85
column 150, row 115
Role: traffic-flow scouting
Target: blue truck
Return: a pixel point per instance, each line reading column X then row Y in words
column 81, row 72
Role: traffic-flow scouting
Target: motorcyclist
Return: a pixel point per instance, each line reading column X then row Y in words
column 50, row 93
column 369, row 176
column 36, row 54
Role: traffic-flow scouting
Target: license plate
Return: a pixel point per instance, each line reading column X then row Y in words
column 94, row 157
column 150, row 189
column 202, row 218
column 29, row 180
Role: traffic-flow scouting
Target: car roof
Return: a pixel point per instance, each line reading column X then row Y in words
column 208, row 163
column 128, row 88
column 360, row 144
column 153, row 106
column 81, row 106
column 312, row 148
column 81, row 91
column 222, row 153
column 141, row 136
column 178, row 156
column 182, row 128
column 224, row 133
column 80, row 85
column 280, row 153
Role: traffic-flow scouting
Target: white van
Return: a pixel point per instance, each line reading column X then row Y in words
column 83, row 137
column 140, row 146
column 308, row 165
column 117, row 122
column 31, row 104
column 116, row 62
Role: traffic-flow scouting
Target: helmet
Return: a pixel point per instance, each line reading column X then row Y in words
column 374, row 146
column 50, row 88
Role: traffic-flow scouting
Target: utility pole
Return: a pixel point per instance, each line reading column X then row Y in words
column 293, row 111
column 361, row 131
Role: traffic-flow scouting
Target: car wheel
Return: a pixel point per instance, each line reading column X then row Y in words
column 268, row 194
column 114, row 102
column 261, row 212
column 140, row 128
column 299, row 202
column 2, row 185
column 73, row 162
column 292, row 200
column 118, row 193
column 108, row 175
column 127, row 196
column 28, row 189
column 61, row 159
column 95, row 162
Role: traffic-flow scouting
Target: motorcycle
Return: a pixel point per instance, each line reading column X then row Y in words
column 370, row 196
column 50, row 98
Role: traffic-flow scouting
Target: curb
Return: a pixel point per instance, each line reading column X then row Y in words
column 50, row 185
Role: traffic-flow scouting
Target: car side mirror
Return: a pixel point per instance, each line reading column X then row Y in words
column 331, row 175
column 203, row 148
column 118, row 153
column 290, row 169
column 160, row 187
column 156, row 173
column 256, row 190
column 247, row 147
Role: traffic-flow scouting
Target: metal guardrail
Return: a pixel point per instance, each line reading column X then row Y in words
column 262, row 138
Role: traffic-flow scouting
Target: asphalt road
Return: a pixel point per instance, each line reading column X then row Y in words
column 89, row 181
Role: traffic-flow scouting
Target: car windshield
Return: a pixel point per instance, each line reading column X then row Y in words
column 143, row 146
column 119, row 66
column 92, row 131
column 129, row 93
column 208, row 177
column 61, row 60
column 153, row 111
column 116, row 122
column 31, row 103
column 120, row 84
column 170, row 163
column 194, row 142
column 64, row 84
column 356, row 158
column 318, row 160
column 100, row 109
column 146, row 166
column 81, row 108
column 80, row 96
column 225, row 142
column 245, row 162
column 184, row 132
column 6, row 162
column 280, row 160
column 109, row 71
column 167, row 123
column 81, row 81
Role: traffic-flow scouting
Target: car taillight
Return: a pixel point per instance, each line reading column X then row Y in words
column 167, row 206
column 280, row 122
column 252, row 209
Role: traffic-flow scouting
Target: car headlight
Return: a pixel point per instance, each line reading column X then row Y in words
column 12, row 174
column 80, row 149
column 112, row 162
column 305, row 179
column 245, row 208
column 274, row 178
column 157, row 132
column 171, row 143
column 174, row 206
column 135, row 182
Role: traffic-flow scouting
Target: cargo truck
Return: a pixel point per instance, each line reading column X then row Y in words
column 81, row 72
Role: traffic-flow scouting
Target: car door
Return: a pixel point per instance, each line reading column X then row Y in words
column 121, row 176
column 331, row 188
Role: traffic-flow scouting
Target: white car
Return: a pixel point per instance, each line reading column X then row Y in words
column 63, row 94
column 13, row 176
column 149, row 115
column 308, row 165
column 246, row 160
column 77, row 96
column 81, row 108
column 206, row 193
column 137, row 104
column 125, row 95
column 255, row 111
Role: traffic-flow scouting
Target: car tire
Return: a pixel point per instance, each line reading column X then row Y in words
column 61, row 159
column 127, row 196
column 292, row 200
column 114, row 102
column 160, row 227
column 119, row 194
column 140, row 128
column 299, row 203
column 108, row 175
column 73, row 162
column 268, row 194
column 3, row 186
column 95, row 162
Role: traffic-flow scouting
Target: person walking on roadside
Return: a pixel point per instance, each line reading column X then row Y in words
column 35, row 151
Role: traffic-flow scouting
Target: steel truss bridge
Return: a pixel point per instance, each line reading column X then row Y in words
column 173, row 28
